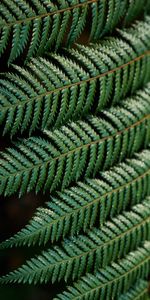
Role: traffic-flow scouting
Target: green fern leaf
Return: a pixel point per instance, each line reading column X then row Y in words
column 32, row 27
column 128, row 270
column 78, row 208
column 50, row 91
column 113, row 280
column 60, row 157
column 138, row 292
column 84, row 253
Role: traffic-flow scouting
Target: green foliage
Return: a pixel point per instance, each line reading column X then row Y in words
column 32, row 27
column 79, row 149
column 52, row 90
column 91, row 149
column 112, row 280
column 80, row 207
column 82, row 254
column 138, row 292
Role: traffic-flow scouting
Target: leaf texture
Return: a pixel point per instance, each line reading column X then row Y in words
column 31, row 27
column 87, row 253
column 60, row 87
column 79, row 149
column 73, row 100
column 113, row 280
column 80, row 207
column 139, row 291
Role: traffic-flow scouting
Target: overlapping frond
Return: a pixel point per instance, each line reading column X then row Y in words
column 79, row 208
column 79, row 149
column 139, row 291
column 91, row 149
column 50, row 91
column 87, row 253
column 32, row 27
column 112, row 280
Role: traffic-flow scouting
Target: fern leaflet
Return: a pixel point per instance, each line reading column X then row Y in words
column 35, row 26
column 50, row 91
column 60, row 157
column 138, row 292
column 83, row 254
column 113, row 280
column 78, row 208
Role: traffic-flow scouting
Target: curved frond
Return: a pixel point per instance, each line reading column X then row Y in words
column 139, row 291
column 50, row 91
column 31, row 27
column 78, row 208
column 79, row 149
column 87, row 253
column 113, row 280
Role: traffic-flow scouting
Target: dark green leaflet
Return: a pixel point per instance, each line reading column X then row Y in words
column 35, row 26
column 50, row 91
column 139, row 291
column 78, row 208
column 112, row 280
column 60, row 157
column 87, row 253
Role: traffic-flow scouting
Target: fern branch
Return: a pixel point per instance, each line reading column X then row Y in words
column 78, row 208
column 77, row 256
column 130, row 269
column 50, row 91
column 138, row 292
column 61, row 156
column 37, row 26
column 113, row 280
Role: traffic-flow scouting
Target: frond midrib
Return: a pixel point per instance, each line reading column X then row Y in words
column 28, row 99
column 59, row 11
column 111, row 281
column 147, row 117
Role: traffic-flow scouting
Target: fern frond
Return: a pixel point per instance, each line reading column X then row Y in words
column 78, row 208
column 79, row 149
column 138, row 292
column 50, row 91
column 35, row 26
column 113, row 280
column 87, row 253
